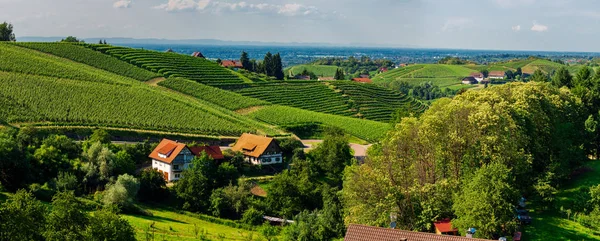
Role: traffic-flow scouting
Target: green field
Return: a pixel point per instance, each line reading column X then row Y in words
column 439, row 74
column 319, row 70
column 283, row 115
column 552, row 225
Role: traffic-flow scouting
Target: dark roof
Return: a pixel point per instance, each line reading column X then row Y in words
column 212, row 151
column 368, row 233
column 470, row 79
column 198, row 55
column 303, row 77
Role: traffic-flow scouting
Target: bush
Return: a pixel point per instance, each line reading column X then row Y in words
column 152, row 185
column 106, row 225
column 123, row 192
column 42, row 192
column 66, row 181
column 253, row 216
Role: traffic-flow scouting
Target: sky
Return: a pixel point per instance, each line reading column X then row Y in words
column 547, row 25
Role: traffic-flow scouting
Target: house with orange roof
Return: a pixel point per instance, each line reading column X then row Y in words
column 171, row 158
column 444, row 227
column 362, row 80
column 236, row 64
column 496, row 74
column 259, row 150
column 356, row 232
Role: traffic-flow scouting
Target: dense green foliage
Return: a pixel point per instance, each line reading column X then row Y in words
column 439, row 74
column 282, row 115
column 92, row 58
column 6, row 32
column 534, row 130
column 229, row 100
column 353, row 66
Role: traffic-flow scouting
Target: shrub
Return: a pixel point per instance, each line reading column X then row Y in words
column 123, row 192
column 253, row 216
column 152, row 185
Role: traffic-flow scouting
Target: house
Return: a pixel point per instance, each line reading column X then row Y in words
column 171, row 158
column 469, row 80
column 212, row 151
column 259, row 150
column 444, row 227
column 198, row 55
column 169, row 50
column 302, row 77
column 326, row 78
column 236, row 64
column 277, row 221
column 364, row 76
column 383, row 70
column 403, row 65
column 362, row 80
column 496, row 75
column 478, row 76
column 357, row 232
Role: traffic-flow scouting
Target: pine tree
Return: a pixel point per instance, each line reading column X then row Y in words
column 100, row 42
column 278, row 67
column 268, row 64
column 105, row 41
column 339, row 74
column 246, row 64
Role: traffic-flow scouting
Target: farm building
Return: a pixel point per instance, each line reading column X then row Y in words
column 496, row 75
column 172, row 157
column 302, row 77
column 259, row 150
column 357, row 232
column 478, row 76
column 469, row 80
column 362, row 80
column 198, row 55
column 326, row 78
column 232, row 64
column 445, row 227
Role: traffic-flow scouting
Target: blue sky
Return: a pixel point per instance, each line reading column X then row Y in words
column 563, row 25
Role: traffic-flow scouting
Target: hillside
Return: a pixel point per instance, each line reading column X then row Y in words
column 439, row 74
column 319, row 70
column 70, row 85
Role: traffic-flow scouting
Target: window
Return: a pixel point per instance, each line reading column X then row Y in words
column 175, row 167
column 177, row 175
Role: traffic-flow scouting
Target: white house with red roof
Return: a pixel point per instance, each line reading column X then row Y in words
column 171, row 158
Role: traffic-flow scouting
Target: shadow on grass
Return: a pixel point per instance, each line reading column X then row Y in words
column 158, row 219
column 554, row 228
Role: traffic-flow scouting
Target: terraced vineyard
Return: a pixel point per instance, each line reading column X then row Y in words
column 92, row 58
column 319, row 70
column 439, row 74
column 313, row 96
column 283, row 115
column 377, row 103
column 174, row 65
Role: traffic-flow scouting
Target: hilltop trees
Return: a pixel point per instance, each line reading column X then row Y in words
column 562, row 77
column 246, row 63
column 339, row 74
column 71, row 39
column 538, row 76
column 6, row 32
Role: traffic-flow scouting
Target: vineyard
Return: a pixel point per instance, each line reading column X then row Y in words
column 174, row 65
column 377, row 103
column 319, row 70
column 283, row 115
column 438, row 74
column 313, row 96
column 226, row 99
column 92, row 58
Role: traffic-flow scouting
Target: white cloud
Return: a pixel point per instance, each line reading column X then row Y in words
column 539, row 27
column 122, row 4
column 293, row 9
column 459, row 23
column 516, row 28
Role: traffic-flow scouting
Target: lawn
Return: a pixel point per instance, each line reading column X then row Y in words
column 551, row 225
column 169, row 225
column 319, row 70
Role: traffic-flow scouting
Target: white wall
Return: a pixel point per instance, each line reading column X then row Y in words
column 164, row 167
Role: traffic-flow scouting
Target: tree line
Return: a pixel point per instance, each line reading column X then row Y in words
column 271, row 65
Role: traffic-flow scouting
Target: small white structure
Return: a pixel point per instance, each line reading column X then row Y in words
column 478, row 76
column 171, row 158
column 259, row 150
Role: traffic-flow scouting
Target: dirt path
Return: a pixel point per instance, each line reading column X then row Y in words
column 155, row 81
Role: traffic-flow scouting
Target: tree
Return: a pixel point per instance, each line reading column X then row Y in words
column 71, row 39
column 123, row 192
column 583, row 77
column 277, row 67
column 339, row 74
column 22, row 217
column 67, row 221
column 268, row 231
column 562, row 77
column 100, row 41
column 333, row 155
column 231, row 201
column 269, row 66
column 15, row 166
column 66, row 181
column 509, row 74
column 6, row 32
column 539, row 76
column 519, row 72
column 106, row 225
column 123, row 163
column 247, row 65
column 485, row 73
column 105, row 42
column 486, row 202
column 152, row 185
column 219, row 61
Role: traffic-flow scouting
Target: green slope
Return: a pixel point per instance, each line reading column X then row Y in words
column 439, row 74
column 319, row 70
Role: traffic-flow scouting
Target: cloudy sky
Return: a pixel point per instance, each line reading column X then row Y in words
column 564, row 25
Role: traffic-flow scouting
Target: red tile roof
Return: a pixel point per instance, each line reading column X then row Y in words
column 357, row 232
column 362, row 80
column 252, row 145
column 444, row 226
column 212, row 151
column 232, row 63
column 167, row 148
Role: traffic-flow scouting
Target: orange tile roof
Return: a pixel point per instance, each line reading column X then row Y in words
column 212, row 151
column 232, row 63
column 362, row 80
column 252, row 145
column 168, row 148
column 357, row 232
column 444, row 226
